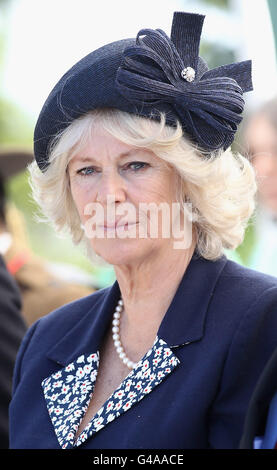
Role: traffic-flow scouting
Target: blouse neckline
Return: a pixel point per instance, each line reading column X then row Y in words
column 68, row 392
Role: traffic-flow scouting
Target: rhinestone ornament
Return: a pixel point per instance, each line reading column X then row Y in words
column 188, row 74
column 116, row 336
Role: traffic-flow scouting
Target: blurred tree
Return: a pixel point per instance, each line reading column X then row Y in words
column 218, row 3
column 15, row 128
column 216, row 54
column 3, row 3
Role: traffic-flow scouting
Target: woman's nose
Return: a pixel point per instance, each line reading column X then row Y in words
column 111, row 187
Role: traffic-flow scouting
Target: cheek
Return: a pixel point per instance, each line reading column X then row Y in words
column 160, row 186
column 161, row 190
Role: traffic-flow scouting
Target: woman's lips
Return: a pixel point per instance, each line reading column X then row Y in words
column 115, row 226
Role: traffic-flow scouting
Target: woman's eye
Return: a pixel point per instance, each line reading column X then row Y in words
column 135, row 166
column 86, row 171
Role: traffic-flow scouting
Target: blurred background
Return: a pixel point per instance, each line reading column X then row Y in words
column 40, row 40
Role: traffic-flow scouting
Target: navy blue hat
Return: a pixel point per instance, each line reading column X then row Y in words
column 149, row 75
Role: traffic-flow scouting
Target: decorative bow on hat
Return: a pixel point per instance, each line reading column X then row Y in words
column 157, row 69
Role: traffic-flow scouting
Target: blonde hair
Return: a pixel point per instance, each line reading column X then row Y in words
column 220, row 187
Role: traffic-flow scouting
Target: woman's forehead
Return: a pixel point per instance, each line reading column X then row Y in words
column 103, row 146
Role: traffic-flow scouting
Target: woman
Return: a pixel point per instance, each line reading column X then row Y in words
column 168, row 356
column 259, row 248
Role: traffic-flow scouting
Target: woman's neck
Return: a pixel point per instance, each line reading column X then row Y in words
column 148, row 288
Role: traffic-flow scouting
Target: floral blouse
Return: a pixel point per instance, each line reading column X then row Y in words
column 69, row 391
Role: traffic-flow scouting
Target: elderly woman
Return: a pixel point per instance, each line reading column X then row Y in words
column 168, row 356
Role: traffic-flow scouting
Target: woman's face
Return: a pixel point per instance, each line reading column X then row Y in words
column 262, row 140
column 109, row 181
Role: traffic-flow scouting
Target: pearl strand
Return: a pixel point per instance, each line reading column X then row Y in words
column 116, row 336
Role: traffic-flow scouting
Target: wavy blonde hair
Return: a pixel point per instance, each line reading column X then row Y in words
column 220, row 187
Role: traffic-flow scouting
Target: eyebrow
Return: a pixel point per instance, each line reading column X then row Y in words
column 86, row 159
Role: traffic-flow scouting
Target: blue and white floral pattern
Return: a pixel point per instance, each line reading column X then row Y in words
column 68, row 392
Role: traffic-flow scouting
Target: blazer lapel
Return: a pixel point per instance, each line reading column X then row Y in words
column 68, row 392
column 184, row 321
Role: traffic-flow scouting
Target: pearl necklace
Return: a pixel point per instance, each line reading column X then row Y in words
column 116, row 336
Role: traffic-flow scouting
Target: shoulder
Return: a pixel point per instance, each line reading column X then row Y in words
column 242, row 284
column 236, row 270
column 244, row 307
column 246, row 301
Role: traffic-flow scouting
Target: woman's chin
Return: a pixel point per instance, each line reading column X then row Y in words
column 118, row 251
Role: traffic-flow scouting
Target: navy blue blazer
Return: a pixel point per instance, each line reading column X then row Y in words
column 190, row 391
